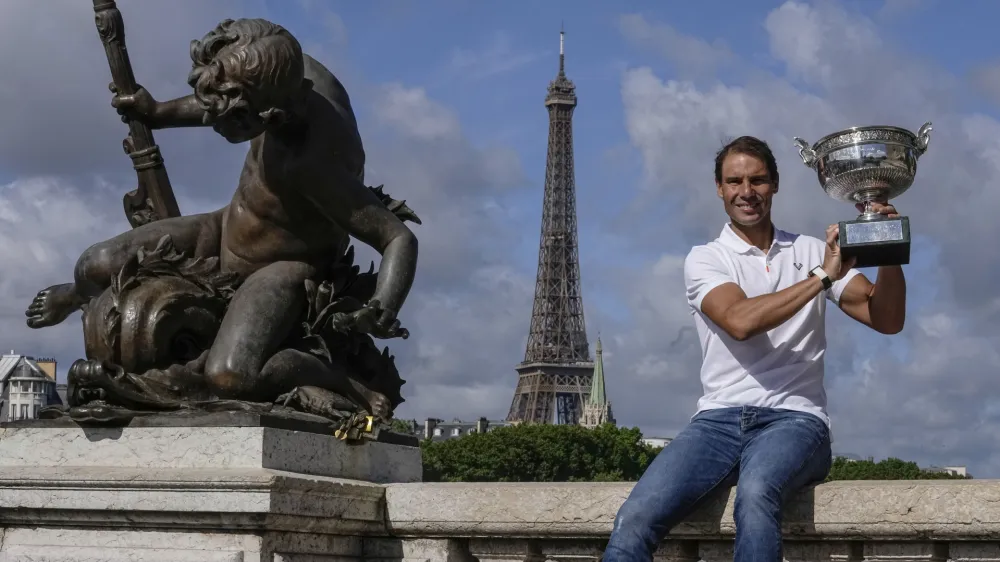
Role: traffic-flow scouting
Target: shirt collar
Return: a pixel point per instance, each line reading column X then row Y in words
column 731, row 240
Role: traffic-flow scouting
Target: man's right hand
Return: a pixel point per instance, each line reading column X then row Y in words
column 833, row 263
column 139, row 106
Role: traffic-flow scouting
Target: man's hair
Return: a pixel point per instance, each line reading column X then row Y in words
column 250, row 64
column 751, row 146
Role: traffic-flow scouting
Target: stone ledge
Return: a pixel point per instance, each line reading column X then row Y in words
column 220, row 499
column 237, row 447
column 885, row 510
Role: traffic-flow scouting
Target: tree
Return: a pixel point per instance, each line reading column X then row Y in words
column 571, row 453
column 407, row 427
column 539, row 453
column 888, row 469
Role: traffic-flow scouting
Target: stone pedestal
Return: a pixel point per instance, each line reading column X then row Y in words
column 238, row 487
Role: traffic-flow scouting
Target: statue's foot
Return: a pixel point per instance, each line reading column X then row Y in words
column 378, row 405
column 53, row 305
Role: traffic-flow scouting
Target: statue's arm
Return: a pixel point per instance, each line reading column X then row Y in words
column 346, row 201
column 180, row 112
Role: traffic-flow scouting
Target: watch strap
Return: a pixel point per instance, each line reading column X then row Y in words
column 818, row 271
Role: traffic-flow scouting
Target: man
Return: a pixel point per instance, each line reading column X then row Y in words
column 299, row 199
column 757, row 295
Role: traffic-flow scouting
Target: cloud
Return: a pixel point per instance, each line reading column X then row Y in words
column 986, row 80
column 45, row 223
column 456, row 365
column 496, row 56
column 898, row 9
column 918, row 395
column 410, row 112
column 56, row 105
column 691, row 55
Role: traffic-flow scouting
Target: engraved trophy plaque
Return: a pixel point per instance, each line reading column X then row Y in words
column 862, row 165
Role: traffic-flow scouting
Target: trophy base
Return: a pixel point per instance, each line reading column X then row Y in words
column 876, row 242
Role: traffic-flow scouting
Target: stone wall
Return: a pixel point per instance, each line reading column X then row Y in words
column 248, row 489
column 873, row 520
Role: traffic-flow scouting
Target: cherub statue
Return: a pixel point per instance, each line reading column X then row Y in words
column 231, row 305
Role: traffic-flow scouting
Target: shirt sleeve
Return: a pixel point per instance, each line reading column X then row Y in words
column 703, row 271
column 838, row 286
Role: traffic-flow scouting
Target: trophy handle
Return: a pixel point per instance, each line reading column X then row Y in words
column 807, row 154
column 924, row 136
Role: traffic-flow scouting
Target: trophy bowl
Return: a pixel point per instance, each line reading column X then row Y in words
column 863, row 165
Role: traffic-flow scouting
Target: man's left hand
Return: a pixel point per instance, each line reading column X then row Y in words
column 881, row 208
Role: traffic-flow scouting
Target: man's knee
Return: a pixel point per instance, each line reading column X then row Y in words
column 757, row 499
column 636, row 532
column 634, row 514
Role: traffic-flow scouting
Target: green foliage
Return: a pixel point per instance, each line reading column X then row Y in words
column 888, row 469
column 403, row 426
column 571, row 453
column 539, row 453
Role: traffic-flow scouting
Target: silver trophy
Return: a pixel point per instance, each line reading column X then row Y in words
column 862, row 165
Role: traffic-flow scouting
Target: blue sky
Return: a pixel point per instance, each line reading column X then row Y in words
column 449, row 97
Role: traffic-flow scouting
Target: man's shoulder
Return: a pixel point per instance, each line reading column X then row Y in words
column 704, row 258
column 709, row 250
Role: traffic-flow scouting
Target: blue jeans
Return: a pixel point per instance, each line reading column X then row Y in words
column 772, row 454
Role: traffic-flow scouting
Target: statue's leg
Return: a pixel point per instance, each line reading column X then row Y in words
column 244, row 362
column 260, row 316
column 197, row 235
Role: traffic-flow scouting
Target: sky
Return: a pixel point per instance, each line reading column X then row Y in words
column 449, row 99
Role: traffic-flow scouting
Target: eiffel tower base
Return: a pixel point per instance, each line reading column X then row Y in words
column 551, row 393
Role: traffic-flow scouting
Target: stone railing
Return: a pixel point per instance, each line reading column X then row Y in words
column 870, row 520
column 238, row 489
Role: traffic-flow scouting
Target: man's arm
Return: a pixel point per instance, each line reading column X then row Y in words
column 743, row 318
column 723, row 301
column 880, row 306
column 345, row 200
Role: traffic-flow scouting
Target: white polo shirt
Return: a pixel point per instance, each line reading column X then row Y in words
column 782, row 368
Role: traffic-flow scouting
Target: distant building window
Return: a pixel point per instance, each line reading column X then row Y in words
column 437, row 431
column 24, row 411
column 456, row 431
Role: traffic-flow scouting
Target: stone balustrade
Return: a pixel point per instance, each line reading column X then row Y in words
column 869, row 520
column 246, row 488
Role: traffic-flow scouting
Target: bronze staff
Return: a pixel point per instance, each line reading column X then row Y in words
column 153, row 198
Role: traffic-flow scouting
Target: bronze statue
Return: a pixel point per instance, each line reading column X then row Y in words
column 259, row 302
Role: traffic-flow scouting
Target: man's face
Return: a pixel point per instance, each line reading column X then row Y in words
column 746, row 189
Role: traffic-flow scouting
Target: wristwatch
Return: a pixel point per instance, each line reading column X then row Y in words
column 818, row 271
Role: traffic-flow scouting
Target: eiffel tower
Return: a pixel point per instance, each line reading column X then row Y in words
column 555, row 377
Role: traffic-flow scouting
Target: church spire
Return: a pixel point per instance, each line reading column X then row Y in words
column 597, row 408
column 598, row 395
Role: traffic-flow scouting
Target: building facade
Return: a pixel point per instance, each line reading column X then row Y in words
column 28, row 385
column 440, row 430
